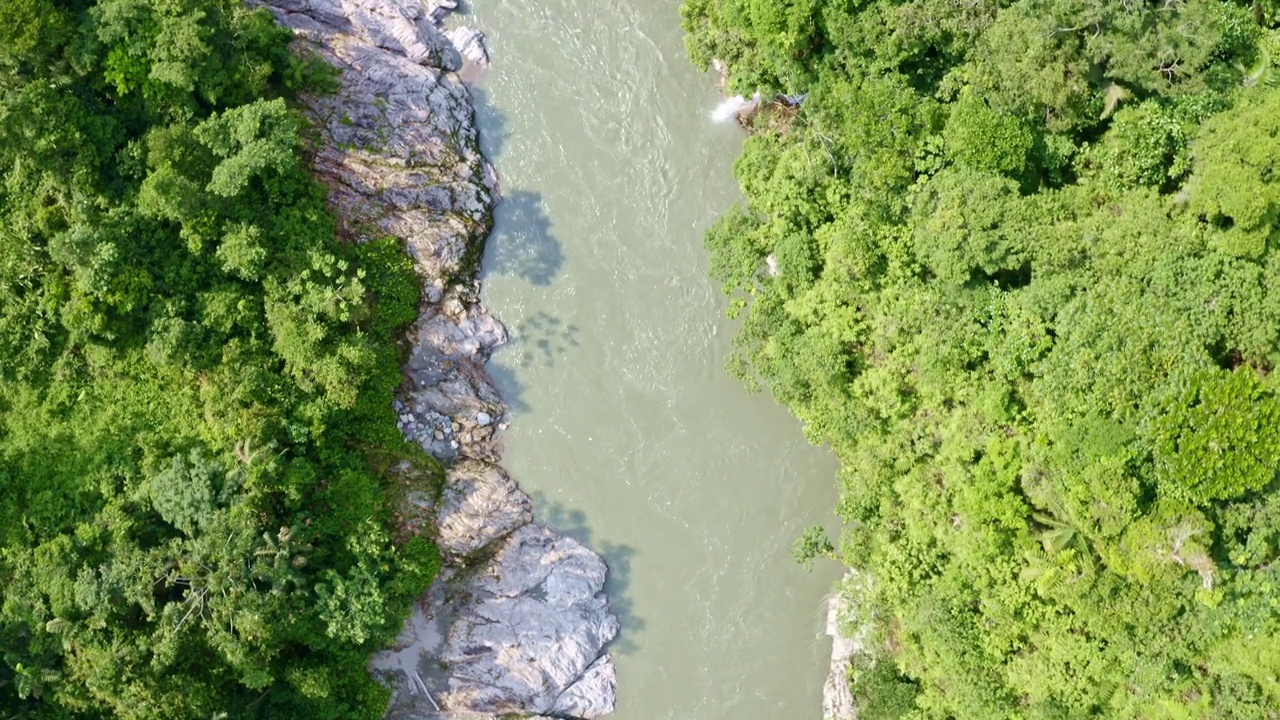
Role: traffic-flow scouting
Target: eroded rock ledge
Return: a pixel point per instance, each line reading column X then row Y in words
column 518, row 622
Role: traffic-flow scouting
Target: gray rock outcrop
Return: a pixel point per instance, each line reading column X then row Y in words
column 517, row 623
column 592, row 695
column 480, row 505
column 837, row 698
column 398, row 148
column 469, row 43
column 529, row 637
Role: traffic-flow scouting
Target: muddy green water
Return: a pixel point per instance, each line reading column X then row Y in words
column 625, row 427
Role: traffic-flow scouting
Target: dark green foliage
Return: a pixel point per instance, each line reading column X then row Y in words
column 195, row 379
column 1145, row 146
column 1235, row 185
column 982, row 139
column 1215, row 440
column 1027, row 287
column 880, row 693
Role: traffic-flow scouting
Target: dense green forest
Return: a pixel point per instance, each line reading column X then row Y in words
column 1027, row 286
column 196, row 437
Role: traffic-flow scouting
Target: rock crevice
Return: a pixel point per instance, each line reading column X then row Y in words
column 518, row 621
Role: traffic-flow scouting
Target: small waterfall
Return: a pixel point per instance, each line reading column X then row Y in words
column 733, row 107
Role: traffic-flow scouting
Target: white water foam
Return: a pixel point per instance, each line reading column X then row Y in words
column 732, row 107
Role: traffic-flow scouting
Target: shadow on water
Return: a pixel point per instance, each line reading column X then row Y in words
column 490, row 121
column 521, row 244
column 618, row 557
column 539, row 340
column 542, row 339
column 507, row 380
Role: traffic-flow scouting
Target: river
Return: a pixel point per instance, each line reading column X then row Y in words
column 625, row 428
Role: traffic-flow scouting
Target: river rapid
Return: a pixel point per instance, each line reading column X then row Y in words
column 624, row 426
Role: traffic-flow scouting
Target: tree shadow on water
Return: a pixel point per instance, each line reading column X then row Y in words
column 510, row 387
column 490, row 121
column 538, row 340
column 542, row 338
column 618, row 557
column 522, row 244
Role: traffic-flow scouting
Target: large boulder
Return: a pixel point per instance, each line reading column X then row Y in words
column 523, row 633
column 469, row 43
column 530, row 637
column 480, row 505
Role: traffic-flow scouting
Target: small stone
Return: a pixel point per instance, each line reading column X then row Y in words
column 453, row 444
column 456, row 427
column 483, row 418
column 438, row 435
column 502, row 426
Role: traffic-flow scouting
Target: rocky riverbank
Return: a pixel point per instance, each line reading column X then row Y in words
column 837, row 697
column 518, row 621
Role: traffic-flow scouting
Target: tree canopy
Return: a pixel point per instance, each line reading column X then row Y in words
column 196, row 438
column 1025, row 280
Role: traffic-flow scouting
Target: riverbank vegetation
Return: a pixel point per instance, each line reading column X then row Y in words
column 1026, row 283
column 195, row 379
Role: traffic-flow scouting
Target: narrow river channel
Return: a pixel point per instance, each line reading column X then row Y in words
column 626, row 430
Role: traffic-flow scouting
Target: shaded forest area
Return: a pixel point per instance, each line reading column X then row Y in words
column 1027, row 286
column 196, row 437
